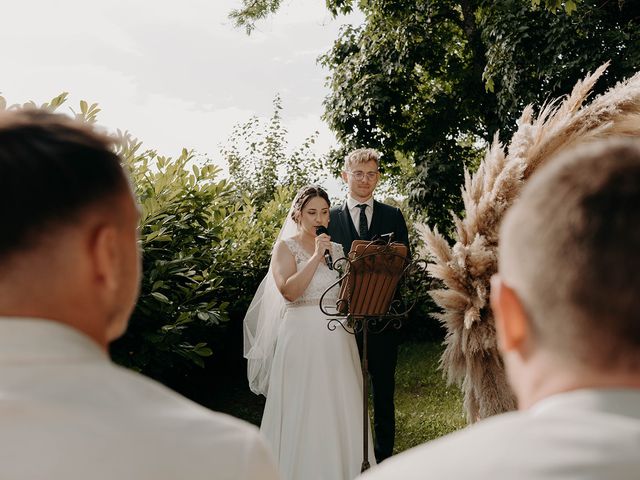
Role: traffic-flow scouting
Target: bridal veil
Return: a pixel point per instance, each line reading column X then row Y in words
column 262, row 321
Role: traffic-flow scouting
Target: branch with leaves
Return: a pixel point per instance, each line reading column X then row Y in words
column 253, row 11
column 88, row 113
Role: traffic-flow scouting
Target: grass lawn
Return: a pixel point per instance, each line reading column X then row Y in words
column 425, row 407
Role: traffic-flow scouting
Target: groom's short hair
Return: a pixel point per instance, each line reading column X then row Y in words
column 52, row 170
column 569, row 247
column 360, row 156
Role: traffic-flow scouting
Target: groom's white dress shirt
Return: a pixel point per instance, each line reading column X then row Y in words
column 67, row 413
column 352, row 205
column 581, row 435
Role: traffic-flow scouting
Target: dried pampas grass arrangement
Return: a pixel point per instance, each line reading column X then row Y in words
column 471, row 357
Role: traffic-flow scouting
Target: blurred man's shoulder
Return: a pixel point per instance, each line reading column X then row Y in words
column 467, row 451
column 583, row 432
column 172, row 406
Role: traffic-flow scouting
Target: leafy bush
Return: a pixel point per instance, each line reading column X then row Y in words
column 244, row 250
column 206, row 246
column 260, row 162
column 184, row 211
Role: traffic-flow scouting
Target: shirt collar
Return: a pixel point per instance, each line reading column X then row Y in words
column 33, row 340
column 351, row 202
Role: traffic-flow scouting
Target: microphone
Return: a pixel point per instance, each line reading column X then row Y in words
column 327, row 254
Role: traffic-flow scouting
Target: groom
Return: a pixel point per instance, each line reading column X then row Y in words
column 363, row 218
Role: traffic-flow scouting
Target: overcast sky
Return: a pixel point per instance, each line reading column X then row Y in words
column 174, row 73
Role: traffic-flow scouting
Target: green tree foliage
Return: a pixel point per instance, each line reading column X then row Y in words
column 254, row 10
column 184, row 216
column 404, row 83
column 553, row 6
column 206, row 245
column 565, row 47
column 434, row 80
column 261, row 162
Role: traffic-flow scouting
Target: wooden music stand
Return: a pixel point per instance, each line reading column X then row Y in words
column 368, row 284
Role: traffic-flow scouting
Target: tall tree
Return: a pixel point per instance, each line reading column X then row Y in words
column 434, row 80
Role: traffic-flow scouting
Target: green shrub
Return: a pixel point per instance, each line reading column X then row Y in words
column 244, row 249
column 184, row 208
column 205, row 248
column 261, row 162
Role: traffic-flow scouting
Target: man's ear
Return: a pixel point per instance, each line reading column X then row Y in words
column 105, row 258
column 344, row 176
column 512, row 325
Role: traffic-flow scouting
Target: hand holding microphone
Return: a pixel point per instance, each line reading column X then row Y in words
column 327, row 254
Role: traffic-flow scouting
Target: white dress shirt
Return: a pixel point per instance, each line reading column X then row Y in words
column 67, row 412
column 352, row 205
column 579, row 435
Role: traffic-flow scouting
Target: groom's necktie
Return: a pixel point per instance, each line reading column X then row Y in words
column 363, row 226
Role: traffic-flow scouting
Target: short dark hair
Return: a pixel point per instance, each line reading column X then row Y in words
column 569, row 248
column 52, row 169
column 304, row 195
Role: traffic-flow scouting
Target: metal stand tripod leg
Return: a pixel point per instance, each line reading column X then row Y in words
column 365, row 396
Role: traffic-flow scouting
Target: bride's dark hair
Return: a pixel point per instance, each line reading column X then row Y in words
column 303, row 196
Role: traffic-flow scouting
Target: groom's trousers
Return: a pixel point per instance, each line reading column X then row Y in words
column 383, row 356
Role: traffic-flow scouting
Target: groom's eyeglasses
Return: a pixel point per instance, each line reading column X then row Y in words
column 360, row 175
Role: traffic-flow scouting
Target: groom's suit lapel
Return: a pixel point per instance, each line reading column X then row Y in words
column 349, row 229
column 377, row 220
column 347, row 225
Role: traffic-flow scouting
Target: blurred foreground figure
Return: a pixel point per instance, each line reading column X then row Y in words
column 69, row 279
column 568, row 324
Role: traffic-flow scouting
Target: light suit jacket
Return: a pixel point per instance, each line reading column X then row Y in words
column 585, row 435
column 67, row 412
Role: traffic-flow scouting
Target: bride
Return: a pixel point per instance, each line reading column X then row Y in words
column 310, row 375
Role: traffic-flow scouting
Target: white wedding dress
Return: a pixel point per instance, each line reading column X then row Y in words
column 313, row 414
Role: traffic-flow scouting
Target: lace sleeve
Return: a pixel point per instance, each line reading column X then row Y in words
column 296, row 250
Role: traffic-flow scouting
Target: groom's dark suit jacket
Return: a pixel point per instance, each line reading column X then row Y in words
column 383, row 349
column 386, row 219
